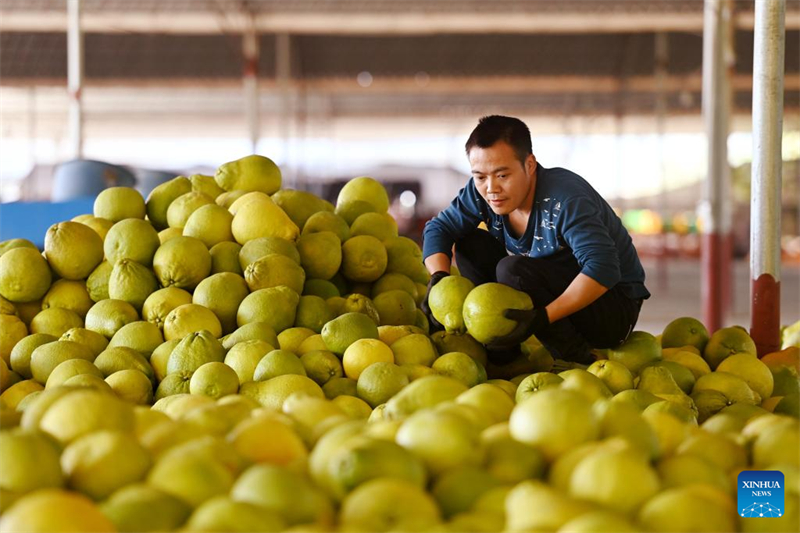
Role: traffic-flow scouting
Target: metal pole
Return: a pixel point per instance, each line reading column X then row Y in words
column 661, row 64
column 250, row 50
column 283, row 73
column 75, row 77
column 765, row 203
column 712, row 207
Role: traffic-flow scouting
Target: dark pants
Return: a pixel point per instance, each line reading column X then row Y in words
column 605, row 323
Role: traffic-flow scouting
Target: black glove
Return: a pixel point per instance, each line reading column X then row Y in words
column 529, row 322
column 434, row 324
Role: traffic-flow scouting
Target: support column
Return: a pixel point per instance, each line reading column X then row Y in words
column 765, row 203
column 715, row 192
column 283, row 74
column 75, row 77
column 250, row 51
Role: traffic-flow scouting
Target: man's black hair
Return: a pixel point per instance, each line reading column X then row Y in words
column 510, row 130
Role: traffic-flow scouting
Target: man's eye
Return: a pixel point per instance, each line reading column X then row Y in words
column 501, row 176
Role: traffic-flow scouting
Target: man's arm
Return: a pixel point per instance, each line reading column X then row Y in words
column 580, row 293
column 438, row 262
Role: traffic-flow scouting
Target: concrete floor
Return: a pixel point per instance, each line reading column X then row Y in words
column 679, row 294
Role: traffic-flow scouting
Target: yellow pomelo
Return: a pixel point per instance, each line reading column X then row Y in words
column 614, row 374
column 100, row 225
column 362, row 353
column 313, row 313
column 162, row 196
column 191, row 318
column 363, row 458
column 182, row 262
column 261, row 217
column 327, row 221
column 354, row 407
column 274, row 270
column 554, row 508
column 291, row 339
column 47, row 357
column 320, row 287
column 10, row 244
column 554, row 420
column 314, row 416
column 71, row 295
column 193, row 351
column 30, row 462
column 777, row 443
column 243, row 357
column 54, row 510
column 255, row 249
column 483, row 310
column 278, row 363
column 685, row 331
column 266, row 439
column 251, row 331
column 191, row 478
column 300, row 205
column 394, row 281
column 220, row 418
column 223, row 514
column 160, row 357
column 459, row 366
column 617, row 480
column 20, row 357
column 682, row 470
column 353, row 209
column 206, row 185
column 446, row 301
column 70, row 368
column 73, row 250
column 276, row 306
column 131, row 282
column 423, row 393
column 356, row 303
column 250, row 173
column 169, row 234
column 692, row 508
column 161, row 302
column 670, row 430
column 320, row 254
column 340, row 386
column 387, row 504
column 600, row 522
column 272, row 393
column 225, row 258
column 226, row 199
column 119, row 203
column 726, row 342
column 693, row 361
column 13, row 331
column 379, row 381
column 83, row 412
column 114, row 359
column 140, row 507
column 144, row 337
column 456, row 441
column 382, row 226
column 132, row 239
column 211, row 224
column 222, row 294
column 89, row 381
column 214, row 379
column 719, row 449
column 132, row 386
column 748, row 367
column 734, row 388
column 321, row 366
column 638, row 350
column 414, row 348
column 346, row 329
column 24, row 275
column 490, row 399
column 106, row 317
column 12, row 396
column 104, row 461
column 55, row 321
column 285, row 492
column 396, row 308
column 182, row 207
column 97, row 282
column 364, row 259
column 364, row 189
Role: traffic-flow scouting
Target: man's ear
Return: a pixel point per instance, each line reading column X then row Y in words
column 530, row 164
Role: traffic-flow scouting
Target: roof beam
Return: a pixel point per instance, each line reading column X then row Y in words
column 349, row 23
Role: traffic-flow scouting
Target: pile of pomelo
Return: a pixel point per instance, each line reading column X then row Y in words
column 232, row 356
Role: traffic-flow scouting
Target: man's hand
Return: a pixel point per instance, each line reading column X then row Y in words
column 529, row 322
column 436, row 277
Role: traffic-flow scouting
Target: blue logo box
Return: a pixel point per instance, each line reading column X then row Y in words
column 760, row 494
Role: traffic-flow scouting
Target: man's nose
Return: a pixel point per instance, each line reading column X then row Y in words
column 492, row 185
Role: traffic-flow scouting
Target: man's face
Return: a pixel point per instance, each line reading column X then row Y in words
column 501, row 179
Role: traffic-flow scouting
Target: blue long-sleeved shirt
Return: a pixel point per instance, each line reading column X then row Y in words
column 567, row 213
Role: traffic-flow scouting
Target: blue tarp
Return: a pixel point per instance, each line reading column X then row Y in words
column 30, row 220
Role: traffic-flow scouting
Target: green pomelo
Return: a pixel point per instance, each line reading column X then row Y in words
column 382, row 226
column 300, row 205
column 261, row 217
column 132, row 283
column 638, row 350
column 182, row 262
column 106, row 317
column 277, row 306
column 327, row 221
column 133, row 239
column 320, row 254
column 222, row 293
column 24, row 275
column 483, row 310
column 160, row 304
column 119, row 203
column 275, row 270
column 97, row 282
column 162, row 196
column 71, row 295
column 346, row 329
column 250, row 173
column 182, row 208
column 193, row 351
column 225, row 258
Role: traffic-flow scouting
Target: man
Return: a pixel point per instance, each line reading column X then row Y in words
column 551, row 235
